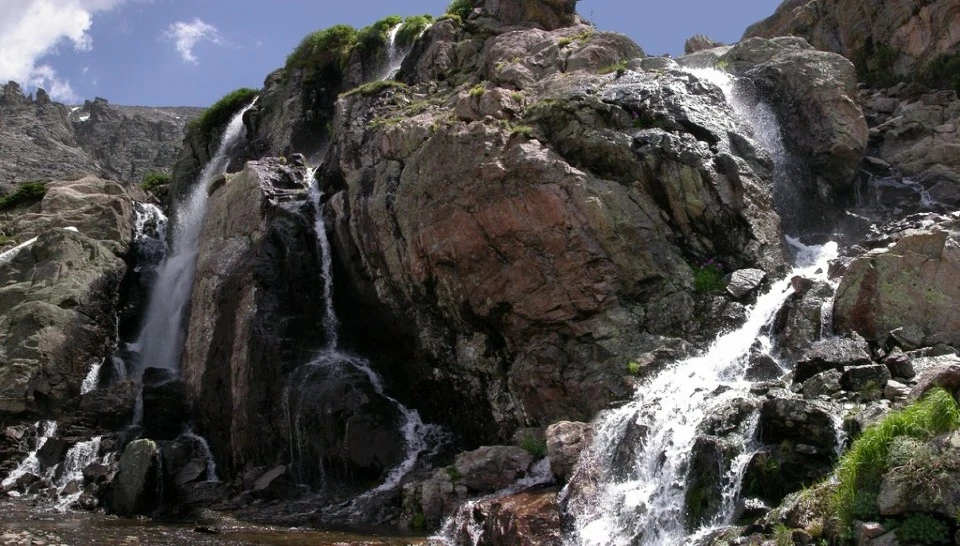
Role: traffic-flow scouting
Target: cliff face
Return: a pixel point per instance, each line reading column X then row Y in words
column 44, row 140
column 879, row 35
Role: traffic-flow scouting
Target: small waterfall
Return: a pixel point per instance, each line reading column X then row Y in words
column 70, row 481
column 644, row 503
column 92, row 380
column 161, row 338
column 395, row 54
column 31, row 464
column 330, row 363
column 8, row 255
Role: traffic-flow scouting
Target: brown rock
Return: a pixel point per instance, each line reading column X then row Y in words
column 565, row 441
column 521, row 519
column 491, row 468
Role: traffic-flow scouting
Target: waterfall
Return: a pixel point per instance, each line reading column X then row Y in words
column 644, row 502
column 31, row 464
column 91, row 381
column 8, row 255
column 70, row 471
column 161, row 338
column 331, row 362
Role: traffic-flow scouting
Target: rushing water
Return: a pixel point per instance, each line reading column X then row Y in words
column 161, row 338
column 31, row 464
column 644, row 503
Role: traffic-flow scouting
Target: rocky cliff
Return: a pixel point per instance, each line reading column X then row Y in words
column 44, row 140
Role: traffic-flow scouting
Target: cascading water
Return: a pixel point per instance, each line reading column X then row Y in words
column 31, row 464
column 331, row 362
column 161, row 338
column 642, row 500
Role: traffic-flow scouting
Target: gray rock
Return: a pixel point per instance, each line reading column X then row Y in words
column 135, row 487
column 699, row 42
column 825, row 383
column 896, row 391
column 565, row 441
column 899, row 364
column 799, row 421
column 865, row 378
column 945, row 374
column 275, row 483
column 745, row 281
column 491, row 468
column 831, row 354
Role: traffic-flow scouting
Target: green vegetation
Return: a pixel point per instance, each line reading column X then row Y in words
column 29, row 192
column 874, row 63
column 633, row 368
column 783, row 535
column 942, row 72
column 860, row 469
column 478, row 90
column 220, row 113
column 412, row 28
column 375, row 37
column 373, row 88
column 4, row 240
column 580, row 37
column 454, row 473
column 619, row 67
column 419, row 521
column 708, row 277
column 923, row 529
column 722, row 64
column 533, row 446
column 461, row 9
column 153, row 180
column 324, row 47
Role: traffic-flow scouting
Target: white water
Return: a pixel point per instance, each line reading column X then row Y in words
column 92, row 380
column 162, row 336
column 78, row 457
column 30, row 464
column 419, row 437
column 396, row 54
column 10, row 254
column 647, row 508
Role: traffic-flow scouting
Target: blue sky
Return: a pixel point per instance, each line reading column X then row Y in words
column 191, row 52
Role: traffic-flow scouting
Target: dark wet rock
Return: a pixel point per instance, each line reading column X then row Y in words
column 164, row 404
column 862, row 418
column 433, row 498
column 529, row 517
column 870, row 377
column 744, row 282
column 565, row 442
column 629, row 446
column 491, row 468
column 899, row 364
column 729, row 418
column 51, row 453
column 276, row 483
column 834, row 353
column 825, row 383
column 138, row 478
column 103, row 409
column 799, row 421
column 704, row 492
column 762, row 367
column 799, row 321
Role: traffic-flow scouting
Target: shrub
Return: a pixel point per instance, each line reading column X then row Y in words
column 923, row 529
column 419, row 521
column 375, row 36
column 153, row 180
column 708, row 277
column 28, row 192
column 942, row 72
column 861, row 468
column 460, row 8
column 633, row 368
column 219, row 114
column 323, row 47
column 373, row 88
column 412, row 28
column 537, row 448
column 478, row 90
column 619, row 67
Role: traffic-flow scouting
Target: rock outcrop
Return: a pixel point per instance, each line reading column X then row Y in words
column 877, row 34
column 60, row 294
column 46, row 140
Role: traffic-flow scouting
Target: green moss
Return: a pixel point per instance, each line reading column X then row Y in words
column 329, row 46
column 619, row 67
column 412, row 28
column 923, row 529
column 478, row 90
column 419, row 522
column 863, row 465
column 153, row 180
column 533, row 446
column 219, row 114
column 460, row 8
column 374, row 37
column 708, row 278
column 373, row 88
column 27, row 193
column 454, row 473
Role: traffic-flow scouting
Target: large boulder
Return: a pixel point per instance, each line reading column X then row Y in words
column 135, row 487
column 529, row 517
column 565, row 442
column 913, row 285
column 491, row 468
column 58, row 298
column 253, row 312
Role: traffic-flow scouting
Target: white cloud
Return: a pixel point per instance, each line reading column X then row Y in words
column 33, row 29
column 186, row 36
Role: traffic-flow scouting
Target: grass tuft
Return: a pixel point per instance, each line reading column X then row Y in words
column 323, row 47
column 412, row 28
column 219, row 114
column 26, row 193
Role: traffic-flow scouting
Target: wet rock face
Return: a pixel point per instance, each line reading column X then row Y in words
column 861, row 30
column 905, row 294
column 135, row 486
column 557, row 246
column 530, row 517
column 253, row 311
column 59, row 296
column 814, row 95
